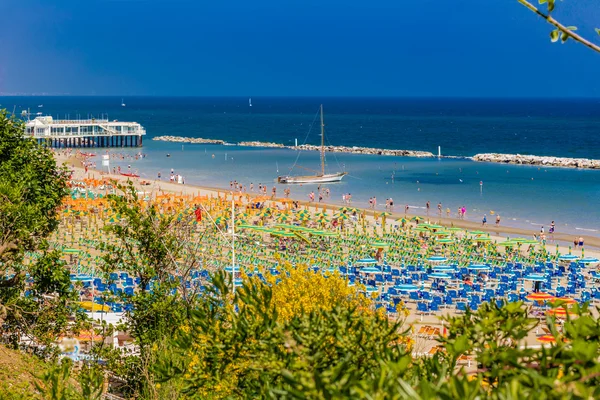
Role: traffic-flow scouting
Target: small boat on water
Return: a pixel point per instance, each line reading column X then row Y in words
column 321, row 177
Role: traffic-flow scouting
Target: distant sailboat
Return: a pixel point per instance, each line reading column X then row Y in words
column 321, row 177
column 250, row 102
column 40, row 105
column 122, row 103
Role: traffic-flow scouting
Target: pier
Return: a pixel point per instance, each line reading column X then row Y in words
column 85, row 133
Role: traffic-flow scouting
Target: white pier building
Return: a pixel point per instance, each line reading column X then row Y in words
column 85, row 133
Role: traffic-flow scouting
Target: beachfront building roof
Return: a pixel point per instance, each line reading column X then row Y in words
column 85, row 133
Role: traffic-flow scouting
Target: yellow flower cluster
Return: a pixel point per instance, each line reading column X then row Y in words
column 299, row 289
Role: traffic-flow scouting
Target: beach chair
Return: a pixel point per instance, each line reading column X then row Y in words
column 414, row 296
column 461, row 306
column 423, row 308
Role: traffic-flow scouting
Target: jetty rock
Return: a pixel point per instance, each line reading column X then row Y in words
column 563, row 162
column 261, row 144
column 365, row 150
column 181, row 139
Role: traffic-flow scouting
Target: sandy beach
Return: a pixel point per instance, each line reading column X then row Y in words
column 497, row 232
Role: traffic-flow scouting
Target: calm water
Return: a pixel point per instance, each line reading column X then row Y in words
column 523, row 196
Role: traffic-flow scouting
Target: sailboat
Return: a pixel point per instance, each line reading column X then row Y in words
column 321, row 177
column 122, row 103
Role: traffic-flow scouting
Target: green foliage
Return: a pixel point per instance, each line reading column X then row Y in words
column 237, row 346
column 31, row 190
column 58, row 383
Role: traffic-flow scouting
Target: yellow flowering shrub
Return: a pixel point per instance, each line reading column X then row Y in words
column 299, row 289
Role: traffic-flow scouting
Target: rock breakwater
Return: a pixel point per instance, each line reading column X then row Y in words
column 181, row 139
column 308, row 147
column 538, row 160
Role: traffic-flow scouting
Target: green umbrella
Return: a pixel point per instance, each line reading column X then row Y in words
column 477, row 233
column 70, row 251
column 378, row 245
column 445, row 240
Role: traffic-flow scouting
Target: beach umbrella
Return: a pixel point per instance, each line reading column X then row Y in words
column 380, row 245
column 565, row 300
column 478, row 233
column 433, row 226
column 366, row 261
column 479, row 267
column 508, row 243
column 546, row 339
column 455, row 229
column 323, row 233
column 372, row 289
column 420, row 230
column 559, row 312
column 442, row 233
column 90, row 306
column 589, row 260
column 568, row 257
column 70, row 251
column 445, row 241
column 370, row 270
column 439, row 275
column 436, row 259
column 535, row 278
column 341, row 216
column 482, row 239
column 406, row 287
column 443, row 268
column 539, row 296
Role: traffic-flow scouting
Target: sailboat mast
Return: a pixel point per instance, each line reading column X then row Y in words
column 322, row 143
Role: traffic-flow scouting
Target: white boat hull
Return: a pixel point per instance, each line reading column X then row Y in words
column 327, row 178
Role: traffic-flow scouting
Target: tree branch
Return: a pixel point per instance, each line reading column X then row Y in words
column 560, row 26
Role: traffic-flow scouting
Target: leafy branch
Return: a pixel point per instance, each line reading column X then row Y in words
column 563, row 32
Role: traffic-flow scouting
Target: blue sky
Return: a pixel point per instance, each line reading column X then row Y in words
column 294, row 48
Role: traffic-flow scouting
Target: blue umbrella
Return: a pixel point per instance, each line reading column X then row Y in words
column 370, row 270
column 440, row 275
column 406, row 287
column 535, row 278
column 371, row 289
column 82, row 278
column 230, row 268
column 589, row 260
column 367, row 261
column 568, row 257
column 479, row 267
column 437, row 258
column 444, row 268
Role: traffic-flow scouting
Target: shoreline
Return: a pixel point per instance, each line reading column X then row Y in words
column 564, row 240
column 498, row 158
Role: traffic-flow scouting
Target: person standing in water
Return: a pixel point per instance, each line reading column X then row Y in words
column 498, row 220
column 484, row 220
column 427, row 206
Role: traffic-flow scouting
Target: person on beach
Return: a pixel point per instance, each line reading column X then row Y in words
column 370, row 202
column 581, row 241
column 448, row 212
column 498, row 220
column 374, row 202
column 484, row 220
column 459, row 214
column 575, row 242
column 406, row 209
column 427, row 206
column 159, row 175
column 552, row 227
column 391, row 204
column 320, row 197
column 464, row 212
column 440, row 209
column 273, row 192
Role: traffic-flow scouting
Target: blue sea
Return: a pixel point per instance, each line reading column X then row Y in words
column 524, row 196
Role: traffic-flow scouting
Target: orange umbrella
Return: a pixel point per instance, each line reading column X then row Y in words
column 546, row 339
column 566, row 300
column 559, row 312
column 540, row 296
